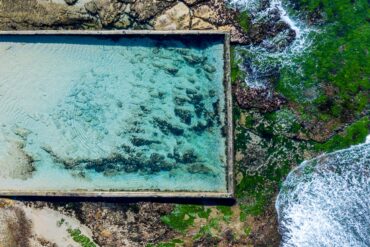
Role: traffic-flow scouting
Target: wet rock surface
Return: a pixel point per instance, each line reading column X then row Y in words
column 258, row 98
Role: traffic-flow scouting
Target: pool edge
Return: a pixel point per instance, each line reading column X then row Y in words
column 229, row 170
column 114, row 32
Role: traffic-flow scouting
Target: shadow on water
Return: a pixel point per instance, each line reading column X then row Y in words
column 132, row 40
column 62, row 199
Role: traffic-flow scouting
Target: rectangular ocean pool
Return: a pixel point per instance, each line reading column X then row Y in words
column 115, row 113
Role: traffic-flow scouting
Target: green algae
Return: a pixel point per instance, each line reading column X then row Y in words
column 336, row 71
column 226, row 211
column 213, row 220
column 354, row 134
column 337, row 68
column 83, row 240
column 182, row 217
column 273, row 134
column 206, row 230
column 244, row 20
column 236, row 72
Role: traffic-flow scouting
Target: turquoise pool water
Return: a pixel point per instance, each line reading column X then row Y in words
column 95, row 113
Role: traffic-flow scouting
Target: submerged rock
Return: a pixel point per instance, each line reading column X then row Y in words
column 167, row 127
column 137, row 141
column 189, row 156
column 180, row 101
column 171, row 70
column 199, row 109
column 193, row 59
column 202, row 126
column 15, row 162
column 22, row 132
column 199, row 168
column 195, row 97
column 209, row 68
column 184, row 115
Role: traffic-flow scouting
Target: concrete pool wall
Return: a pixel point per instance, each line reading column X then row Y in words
column 174, row 194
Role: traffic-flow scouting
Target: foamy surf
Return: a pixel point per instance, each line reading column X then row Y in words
column 325, row 201
column 275, row 52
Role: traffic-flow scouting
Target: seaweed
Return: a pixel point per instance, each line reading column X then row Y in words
column 83, row 240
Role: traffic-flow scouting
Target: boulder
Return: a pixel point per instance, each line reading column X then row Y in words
column 205, row 12
column 91, row 7
column 144, row 10
column 192, row 2
column 258, row 98
column 200, row 24
column 177, row 17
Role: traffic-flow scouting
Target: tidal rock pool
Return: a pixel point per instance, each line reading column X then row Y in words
column 326, row 201
column 109, row 114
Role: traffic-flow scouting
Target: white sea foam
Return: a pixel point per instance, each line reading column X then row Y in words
column 260, row 57
column 326, row 201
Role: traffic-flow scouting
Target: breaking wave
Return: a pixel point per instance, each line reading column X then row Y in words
column 262, row 59
column 326, row 201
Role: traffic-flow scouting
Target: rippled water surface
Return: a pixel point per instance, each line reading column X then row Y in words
column 124, row 114
column 326, row 201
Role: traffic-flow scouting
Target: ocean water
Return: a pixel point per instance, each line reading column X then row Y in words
column 95, row 113
column 261, row 61
column 326, row 201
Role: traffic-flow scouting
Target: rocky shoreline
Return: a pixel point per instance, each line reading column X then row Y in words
column 119, row 14
column 135, row 14
column 274, row 130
